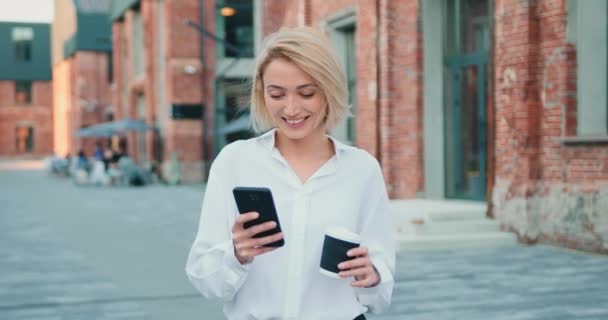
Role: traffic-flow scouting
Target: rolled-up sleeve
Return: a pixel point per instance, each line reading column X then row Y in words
column 378, row 236
column 212, row 266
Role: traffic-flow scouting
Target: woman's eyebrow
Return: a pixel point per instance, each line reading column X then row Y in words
column 274, row 86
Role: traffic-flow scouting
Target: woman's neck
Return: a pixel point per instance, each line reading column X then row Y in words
column 314, row 145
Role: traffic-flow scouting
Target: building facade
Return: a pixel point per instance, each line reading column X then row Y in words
column 82, row 72
column 181, row 66
column 25, row 90
column 499, row 101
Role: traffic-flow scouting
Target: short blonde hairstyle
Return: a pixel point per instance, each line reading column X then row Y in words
column 311, row 51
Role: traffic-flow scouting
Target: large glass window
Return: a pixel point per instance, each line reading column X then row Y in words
column 233, row 120
column 236, row 17
column 343, row 34
column 588, row 30
column 23, row 92
column 22, row 43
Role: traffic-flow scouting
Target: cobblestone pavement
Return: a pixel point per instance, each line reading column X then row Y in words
column 69, row 252
column 514, row 283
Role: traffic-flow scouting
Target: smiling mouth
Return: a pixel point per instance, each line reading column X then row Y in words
column 295, row 122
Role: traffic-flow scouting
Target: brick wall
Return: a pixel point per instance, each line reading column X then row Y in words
column 184, row 137
column 37, row 114
column 82, row 98
column 273, row 14
column 91, row 95
column 545, row 190
column 181, row 48
column 389, row 80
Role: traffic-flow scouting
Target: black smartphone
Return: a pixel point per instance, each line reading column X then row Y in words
column 259, row 200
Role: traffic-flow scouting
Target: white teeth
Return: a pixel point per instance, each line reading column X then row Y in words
column 294, row 121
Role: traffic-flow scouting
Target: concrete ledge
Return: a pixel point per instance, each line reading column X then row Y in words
column 416, row 243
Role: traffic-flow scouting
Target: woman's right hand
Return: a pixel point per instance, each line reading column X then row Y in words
column 246, row 247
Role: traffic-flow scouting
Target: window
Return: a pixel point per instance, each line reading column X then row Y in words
column 351, row 75
column 110, row 65
column 588, row 31
column 24, row 138
column 22, row 43
column 237, row 19
column 342, row 31
column 138, row 44
column 23, row 92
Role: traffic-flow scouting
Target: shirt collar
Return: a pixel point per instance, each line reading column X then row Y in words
column 267, row 140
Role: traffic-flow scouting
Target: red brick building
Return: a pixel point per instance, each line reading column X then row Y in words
column 171, row 68
column 82, row 72
column 25, row 90
column 551, row 123
column 158, row 79
column 500, row 101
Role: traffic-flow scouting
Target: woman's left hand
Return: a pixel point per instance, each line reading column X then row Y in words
column 361, row 268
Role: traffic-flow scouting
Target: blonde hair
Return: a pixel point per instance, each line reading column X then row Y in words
column 311, row 51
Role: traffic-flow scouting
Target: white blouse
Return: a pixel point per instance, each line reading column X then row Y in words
column 348, row 191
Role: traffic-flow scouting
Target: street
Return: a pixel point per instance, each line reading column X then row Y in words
column 73, row 252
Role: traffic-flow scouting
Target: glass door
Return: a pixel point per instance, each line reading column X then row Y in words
column 466, row 86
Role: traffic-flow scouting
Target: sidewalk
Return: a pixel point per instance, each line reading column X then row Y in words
column 118, row 253
column 510, row 283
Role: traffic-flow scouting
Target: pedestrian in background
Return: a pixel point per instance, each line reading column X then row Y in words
column 298, row 95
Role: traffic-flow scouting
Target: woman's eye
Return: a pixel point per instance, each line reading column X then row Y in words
column 275, row 96
column 307, row 95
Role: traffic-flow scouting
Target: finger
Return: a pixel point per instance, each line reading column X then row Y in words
column 248, row 243
column 252, row 231
column 253, row 252
column 357, row 252
column 367, row 282
column 269, row 239
column 244, row 244
column 246, row 217
column 240, row 236
column 354, row 263
column 358, row 272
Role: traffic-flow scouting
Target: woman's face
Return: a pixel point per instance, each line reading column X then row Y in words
column 293, row 99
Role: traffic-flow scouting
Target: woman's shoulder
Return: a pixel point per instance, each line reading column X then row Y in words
column 237, row 150
column 361, row 158
column 232, row 151
column 361, row 161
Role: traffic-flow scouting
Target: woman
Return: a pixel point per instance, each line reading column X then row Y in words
column 298, row 94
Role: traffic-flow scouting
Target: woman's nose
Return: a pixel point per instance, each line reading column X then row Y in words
column 291, row 108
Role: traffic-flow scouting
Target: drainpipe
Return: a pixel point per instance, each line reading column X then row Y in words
column 378, row 83
column 205, row 113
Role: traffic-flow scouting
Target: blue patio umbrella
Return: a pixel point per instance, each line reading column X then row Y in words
column 108, row 129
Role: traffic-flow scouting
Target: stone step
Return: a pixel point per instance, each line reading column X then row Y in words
column 454, row 241
column 457, row 215
column 421, row 210
column 453, row 227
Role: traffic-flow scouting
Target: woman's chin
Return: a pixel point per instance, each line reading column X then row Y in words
column 294, row 134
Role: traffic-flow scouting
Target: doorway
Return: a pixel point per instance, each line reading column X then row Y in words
column 466, row 46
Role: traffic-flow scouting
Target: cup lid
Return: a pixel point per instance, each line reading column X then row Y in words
column 343, row 234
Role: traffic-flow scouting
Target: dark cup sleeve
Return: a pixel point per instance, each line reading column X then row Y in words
column 334, row 252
